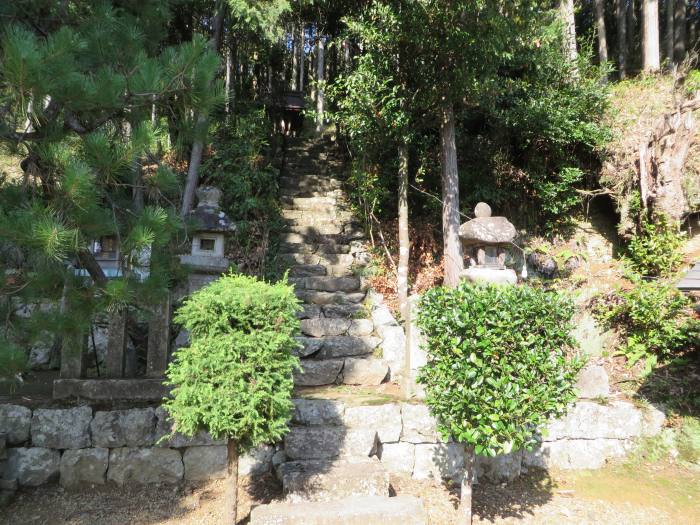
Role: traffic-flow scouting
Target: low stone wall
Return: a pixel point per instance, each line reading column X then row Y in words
column 79, row 446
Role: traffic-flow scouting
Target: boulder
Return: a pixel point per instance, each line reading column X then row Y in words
column 393, row 347
column 40, row 355
column 360, row 327
column 62, row 428
column 382, row 316
column 317, row 373
column 573, row 454
column 15, row 422
column 256, row 461
column 398, row 458
column 124, row 428
column 591, row 420
column 317, row 412
column 439, row 461
column 543, row 264
column 385, row 419
column 32, row 467
column 346, row 346
column 487, row 230
column 202, row 463
column 342, row 310
column 144, row 465
column 309, row 346
column 329, row 442
column 503, row 468
column 355, row 510
column 86, row 466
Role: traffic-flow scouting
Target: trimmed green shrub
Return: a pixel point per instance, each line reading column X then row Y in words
column 656, row 250
column 500, row 363
column 235, row 378
column 654, row 320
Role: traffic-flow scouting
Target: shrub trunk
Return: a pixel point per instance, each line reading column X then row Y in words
column 231, row 499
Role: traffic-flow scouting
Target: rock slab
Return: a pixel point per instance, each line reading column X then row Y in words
column 202, row 463
column 144, row 465
column 124, row 428
column 62, row 429
column 86, row 466
column 32, row 467
column 15, row 421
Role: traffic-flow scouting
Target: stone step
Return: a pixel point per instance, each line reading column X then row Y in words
column 298, row 247
column 328, row 284
column 333, row 311
column 308, row 203
column 298, row 271
column 317, row 297
column 317, row 228
column 317, row 258
column 310, row 192
column 311, row 217
column 310, row 181
column 324, row 480
column 321, row 326
column 356, row 510
column 335, row 346
column 330, row 442
column 300, row 238
column 349, row 371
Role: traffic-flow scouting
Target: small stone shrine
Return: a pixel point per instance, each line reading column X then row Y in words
column 211, row 225
column 487, row 241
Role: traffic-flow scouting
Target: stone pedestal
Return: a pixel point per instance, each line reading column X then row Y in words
column 476, row 274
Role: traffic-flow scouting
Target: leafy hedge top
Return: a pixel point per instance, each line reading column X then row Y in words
column 497, row 362
column 235, row 378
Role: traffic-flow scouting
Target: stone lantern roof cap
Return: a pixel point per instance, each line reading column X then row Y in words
column 208, row 215
column 485, row 229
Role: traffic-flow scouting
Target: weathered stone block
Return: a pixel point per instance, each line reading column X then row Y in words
column 385, row 419
column 346, row 346
column 256, row 461
column 576, row 453
column 61, row 428
column 329, row 442
column 15, row 421
column 203, row 463
column 356, row 510
column 418, row 425
column 499, row 469
column 593, row 382
column 86, row 466
column 399, row 458
column 365, row 371
column 164, row 427
column 323, row 480
column 439, row 461
column 317, row 373
column 124, row 428
column 144, row 465
column 317, row 412
column 653, row 420
column 591, row 420
column 393, row 348
column 381, row 316
column 32, row 467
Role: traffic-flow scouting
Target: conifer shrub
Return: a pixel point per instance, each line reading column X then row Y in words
column 655, row 251
column 235, row 377
column 500, row 363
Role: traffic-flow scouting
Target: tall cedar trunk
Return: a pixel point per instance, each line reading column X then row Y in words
column 600, row 25
column 679, row 31
column 692, row 30
column 650, row 46
column 465, row 498
column 621, row 16
column 295, row 60
column 201, row 126
column 632, row 28
column 670, row 10
column 227, row 87
column 319, row 82
column 301, row 58
column 452, row 247
column 231, row 498
column 566, row 8
column 404, row 246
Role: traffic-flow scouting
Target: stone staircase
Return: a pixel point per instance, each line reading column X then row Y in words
column 329, row 468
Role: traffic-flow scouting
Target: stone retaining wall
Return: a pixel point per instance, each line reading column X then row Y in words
column 79, row 446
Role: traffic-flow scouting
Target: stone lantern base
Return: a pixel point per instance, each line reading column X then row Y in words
column 490, row 275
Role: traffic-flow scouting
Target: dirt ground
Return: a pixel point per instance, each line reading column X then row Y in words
column 618, row 495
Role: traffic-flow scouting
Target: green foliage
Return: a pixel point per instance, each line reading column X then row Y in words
column 656, row 250
column 13, row 360
column 235, row 378
column 688, row 440
column 654, row 319
column 498, row 365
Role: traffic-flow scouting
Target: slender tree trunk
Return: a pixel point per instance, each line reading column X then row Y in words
column 621, row 15
column 566, row 8
column 302, row 64
column 295, row 60
column 231, row 499
column 679, row 31
column 600, row 24
column 465, row 497
column 404, row 246
column 229, row 66
column 631, row 30
column 201, row 126
column 452, row 246
column 651, row 61
column 319, row 81
column 670, row 35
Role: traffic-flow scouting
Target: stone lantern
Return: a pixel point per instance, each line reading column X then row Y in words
column 487, row 241
column 211, row 226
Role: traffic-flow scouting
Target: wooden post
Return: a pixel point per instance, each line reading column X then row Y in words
column 116, row 345
column 158, row 340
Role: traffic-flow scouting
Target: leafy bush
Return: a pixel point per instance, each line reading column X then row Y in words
column 235, row 378
column 498, row 364
column 688, row 440
column 653, row 318
column 656, row 250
